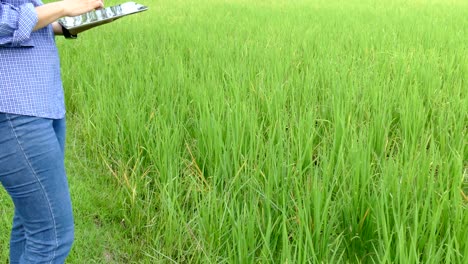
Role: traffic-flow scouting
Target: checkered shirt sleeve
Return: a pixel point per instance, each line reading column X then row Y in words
column 17, row 24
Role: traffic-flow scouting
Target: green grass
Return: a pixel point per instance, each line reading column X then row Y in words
column 273, row 132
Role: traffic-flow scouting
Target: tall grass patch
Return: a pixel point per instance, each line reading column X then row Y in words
column 281, row 131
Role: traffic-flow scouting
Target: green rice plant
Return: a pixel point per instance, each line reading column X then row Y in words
column 281, row 131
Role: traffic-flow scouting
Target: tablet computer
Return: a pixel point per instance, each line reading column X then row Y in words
column 102, row 15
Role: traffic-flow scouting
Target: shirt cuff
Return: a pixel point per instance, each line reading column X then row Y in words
column 27, row 20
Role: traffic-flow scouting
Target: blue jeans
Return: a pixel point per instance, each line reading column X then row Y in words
column 32, row 171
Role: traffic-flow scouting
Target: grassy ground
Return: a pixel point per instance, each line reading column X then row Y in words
column 277, row 131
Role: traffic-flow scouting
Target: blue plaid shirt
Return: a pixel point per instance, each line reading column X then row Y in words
column 30, row 82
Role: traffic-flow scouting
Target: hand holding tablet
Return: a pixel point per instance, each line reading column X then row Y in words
column 98, row 17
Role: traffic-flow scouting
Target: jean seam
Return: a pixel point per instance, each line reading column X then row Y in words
column 38, row 181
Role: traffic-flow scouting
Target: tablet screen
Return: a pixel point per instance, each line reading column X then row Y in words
column 102, row 15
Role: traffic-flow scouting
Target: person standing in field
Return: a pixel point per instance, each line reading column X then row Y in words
column 32, row 127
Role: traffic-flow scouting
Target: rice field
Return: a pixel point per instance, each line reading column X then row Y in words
column 255, row 131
